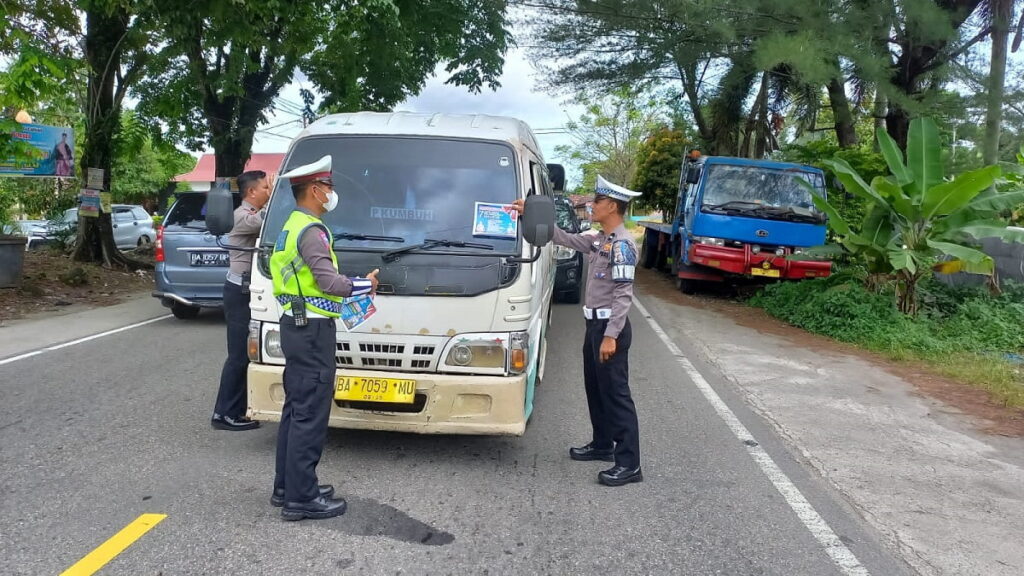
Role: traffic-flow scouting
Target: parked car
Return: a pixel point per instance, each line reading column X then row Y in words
column 190, row 266
column 133, row 226
column 569, row 274
column 35, row 231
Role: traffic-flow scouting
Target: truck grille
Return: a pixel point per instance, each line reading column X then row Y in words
column 399, row 353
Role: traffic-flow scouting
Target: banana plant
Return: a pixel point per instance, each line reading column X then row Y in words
column 919, row 220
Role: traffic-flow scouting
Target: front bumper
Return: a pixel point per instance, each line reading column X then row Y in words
column 744, row 261
column 451, row 403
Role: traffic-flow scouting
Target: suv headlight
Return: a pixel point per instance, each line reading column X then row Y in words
column 709, row 241
column 564, row 253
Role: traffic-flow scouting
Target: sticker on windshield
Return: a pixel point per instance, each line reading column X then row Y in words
column 503, row 161
column 494, row 221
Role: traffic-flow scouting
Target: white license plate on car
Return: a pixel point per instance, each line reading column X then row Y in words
column 204, row 259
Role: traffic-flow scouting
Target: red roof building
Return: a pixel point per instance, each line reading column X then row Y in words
column 204, row 174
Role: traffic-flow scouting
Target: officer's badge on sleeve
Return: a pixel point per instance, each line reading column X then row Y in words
column 623, row 261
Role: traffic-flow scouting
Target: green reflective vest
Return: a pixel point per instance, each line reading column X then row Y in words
column 290, row 272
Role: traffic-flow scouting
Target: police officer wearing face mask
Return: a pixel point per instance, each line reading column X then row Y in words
column 229, row 411
column 309, row 289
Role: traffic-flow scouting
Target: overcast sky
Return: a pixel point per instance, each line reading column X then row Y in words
column 517, row 97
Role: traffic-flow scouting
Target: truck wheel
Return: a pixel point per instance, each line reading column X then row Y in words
column 184, row 312
column 688, row 287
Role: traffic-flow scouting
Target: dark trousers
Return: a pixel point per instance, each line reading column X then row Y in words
column 232, row 396
column 309, row 368
column 612, row 413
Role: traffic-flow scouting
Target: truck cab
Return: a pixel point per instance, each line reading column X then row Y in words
column 737, row 218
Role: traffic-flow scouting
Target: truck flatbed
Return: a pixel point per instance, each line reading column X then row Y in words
column 663, row 227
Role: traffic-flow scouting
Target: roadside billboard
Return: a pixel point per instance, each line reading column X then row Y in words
column 53, row 152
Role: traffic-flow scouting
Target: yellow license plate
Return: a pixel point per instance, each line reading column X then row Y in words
column 769, row 272
column 364, row 389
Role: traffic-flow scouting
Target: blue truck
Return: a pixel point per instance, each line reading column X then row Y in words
column 738, row 219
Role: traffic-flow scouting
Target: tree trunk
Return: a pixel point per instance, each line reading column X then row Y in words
column 104, row 31
column 897, row 123
column 688, row 76
column 1002, row 12
column 845, row 125
column 879, row 112
column 727, row 107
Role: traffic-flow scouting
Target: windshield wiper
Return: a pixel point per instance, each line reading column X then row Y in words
column 429, row 243
column 739, row 206
column 793, row 214
column 351, row 236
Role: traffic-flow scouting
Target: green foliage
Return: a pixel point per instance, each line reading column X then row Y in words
column 866, row 162
column 958, row 328
column 220, row 69
column 606, row 138
column 658, row 170
column 143, row 164
column 915, row 217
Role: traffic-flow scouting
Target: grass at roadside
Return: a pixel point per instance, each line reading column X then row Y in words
column 963, row 333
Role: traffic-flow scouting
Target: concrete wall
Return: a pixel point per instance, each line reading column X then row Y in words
column 1009, row 258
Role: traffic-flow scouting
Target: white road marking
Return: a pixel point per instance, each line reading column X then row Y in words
column 820, row 529
column 81, row 340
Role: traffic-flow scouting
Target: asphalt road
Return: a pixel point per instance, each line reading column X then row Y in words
column 96, row 434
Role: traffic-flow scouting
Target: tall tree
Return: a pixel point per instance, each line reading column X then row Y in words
column 221, row 68
column 116, row 40
column 999, row 13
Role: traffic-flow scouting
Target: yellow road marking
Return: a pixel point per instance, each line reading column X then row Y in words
column 114, row 546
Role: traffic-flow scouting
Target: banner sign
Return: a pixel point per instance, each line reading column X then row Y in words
column 53, row 154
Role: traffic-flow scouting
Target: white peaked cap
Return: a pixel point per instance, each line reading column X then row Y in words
column 319, row 170
column 606, row 188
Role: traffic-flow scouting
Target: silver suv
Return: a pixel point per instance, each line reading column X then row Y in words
column 190, row 266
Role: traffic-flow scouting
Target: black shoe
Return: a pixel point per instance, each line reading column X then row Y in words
column 277, row 498
column 619, row 475
column 316, row 509
column 588, row 452
column 234, row 424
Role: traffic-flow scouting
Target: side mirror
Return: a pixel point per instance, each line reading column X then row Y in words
column 538, row 221
column 692, row 175
column 220, row 211
column 556, row 173
column 585, row 225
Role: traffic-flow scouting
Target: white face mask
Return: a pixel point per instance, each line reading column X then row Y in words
column 332, row 201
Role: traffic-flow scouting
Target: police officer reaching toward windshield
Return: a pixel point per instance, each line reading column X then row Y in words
column 229, row 411
column 612, row 258
column 309, row 288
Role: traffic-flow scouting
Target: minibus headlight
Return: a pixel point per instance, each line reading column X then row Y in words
column 477, row 351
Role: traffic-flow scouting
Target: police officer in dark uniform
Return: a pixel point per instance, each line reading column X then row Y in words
column 309, row 288
column 612, row 258
column 229, row 411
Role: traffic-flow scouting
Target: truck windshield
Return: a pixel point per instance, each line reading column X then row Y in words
column 409, row 188
column 749, row 188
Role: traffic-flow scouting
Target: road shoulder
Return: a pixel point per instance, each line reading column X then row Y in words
column 29, row 334
column 945, row 496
